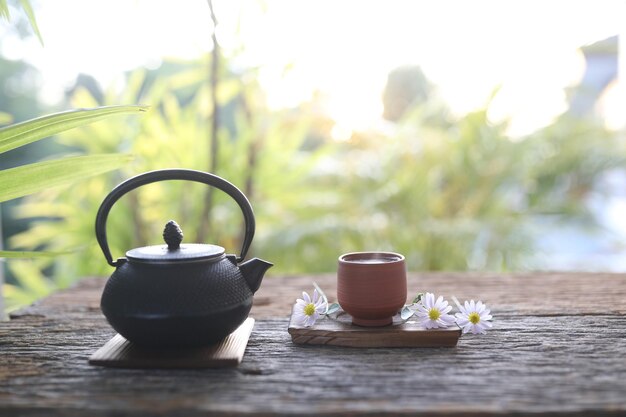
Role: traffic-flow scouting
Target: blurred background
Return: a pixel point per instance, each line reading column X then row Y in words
column 467, row 135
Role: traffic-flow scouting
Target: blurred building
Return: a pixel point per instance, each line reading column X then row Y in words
column 601, row 69
column 405, row 88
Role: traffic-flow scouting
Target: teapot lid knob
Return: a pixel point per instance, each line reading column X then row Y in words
column 174, row 251
column 173, row 235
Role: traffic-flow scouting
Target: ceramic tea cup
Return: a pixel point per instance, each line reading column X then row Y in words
column 371, row 286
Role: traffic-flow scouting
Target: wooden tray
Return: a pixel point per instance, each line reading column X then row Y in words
column 338, row 330
column 120, row 353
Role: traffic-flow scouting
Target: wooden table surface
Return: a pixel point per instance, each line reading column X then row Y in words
column 558, row 347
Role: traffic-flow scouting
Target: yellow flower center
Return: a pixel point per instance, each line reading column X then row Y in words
column 434, row 314
column 474, row 318
column 309, row 309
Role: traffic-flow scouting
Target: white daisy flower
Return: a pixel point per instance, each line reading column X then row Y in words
column 308, row 310
column 474, row 317
column 433, row 314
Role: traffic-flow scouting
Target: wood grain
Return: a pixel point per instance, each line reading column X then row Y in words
column 120, row 353
column 557, row 349
column 521, row 293
column 338, row 330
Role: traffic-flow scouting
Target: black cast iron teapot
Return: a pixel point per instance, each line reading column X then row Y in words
column 179, row 295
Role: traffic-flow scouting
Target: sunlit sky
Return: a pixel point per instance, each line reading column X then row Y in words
column 343, row 49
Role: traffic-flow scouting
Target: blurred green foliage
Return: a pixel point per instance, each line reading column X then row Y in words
column 21, row 179
column 451, row 194
column 48, row 174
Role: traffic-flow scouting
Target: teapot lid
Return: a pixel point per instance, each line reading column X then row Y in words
column 173, row 251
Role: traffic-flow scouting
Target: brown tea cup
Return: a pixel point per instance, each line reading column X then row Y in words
column 371, row 286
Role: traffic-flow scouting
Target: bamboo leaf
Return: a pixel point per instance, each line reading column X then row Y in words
column 20, row 134
column 28, row 179
column 30, row 278
column 28, row 9
column 4, row 10
column 16, row 297
column 21, row 254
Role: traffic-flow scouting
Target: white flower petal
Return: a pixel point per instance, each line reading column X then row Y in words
column 485, row 316
column 472, row 306
column 479, row 328
column 300, row 319
column 429, row 324
column 429, row 300
column 301, row 302
column 462, row 321
column 316, row 296
column 422, row 309
column 461, row 310
column 306, row 297
column 310, row 320
column 467, row 307
column 446, row 310
column 480, row 307
column 439, row 301
column 467, row 327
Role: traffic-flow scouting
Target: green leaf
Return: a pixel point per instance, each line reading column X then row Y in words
column 406, row 313
column 227, row 90
column 333, row 308
column 4, row 10
column 31, row 18
column 30, row 278
column 418, row 297
column 16, row 297
column 20, row 134
column 28, row 179
column 20, row 254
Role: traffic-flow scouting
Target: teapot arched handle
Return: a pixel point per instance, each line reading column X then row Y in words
column 173, row 174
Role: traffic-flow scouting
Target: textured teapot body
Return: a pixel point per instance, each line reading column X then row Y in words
column 179, row 295
column 177, row 304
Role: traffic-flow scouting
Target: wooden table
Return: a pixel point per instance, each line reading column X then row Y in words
column 558, row 347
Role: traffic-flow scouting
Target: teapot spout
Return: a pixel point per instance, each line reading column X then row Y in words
column 253, row 271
